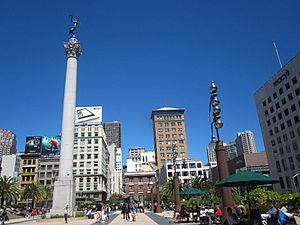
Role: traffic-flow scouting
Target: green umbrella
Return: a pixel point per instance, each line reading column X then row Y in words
column 246, row 178
column 192, row 191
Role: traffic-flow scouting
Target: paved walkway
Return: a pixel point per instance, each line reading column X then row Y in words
column 116, row 218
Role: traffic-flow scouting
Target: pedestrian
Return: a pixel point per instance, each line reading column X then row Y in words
column 66, row 213
column 108, row 209
column 4, row 216
column 127, row 210
column 33, row 213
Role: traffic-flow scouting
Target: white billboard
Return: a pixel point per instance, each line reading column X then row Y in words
column 88, row 115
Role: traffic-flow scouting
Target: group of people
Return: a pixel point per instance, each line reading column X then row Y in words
column 277, row 216
column 130, row 208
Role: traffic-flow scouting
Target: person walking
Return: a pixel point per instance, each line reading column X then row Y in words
column 66, row 213
column 4, row 216
column 127, row 210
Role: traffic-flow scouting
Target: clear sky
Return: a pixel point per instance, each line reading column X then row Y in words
column 139, row 56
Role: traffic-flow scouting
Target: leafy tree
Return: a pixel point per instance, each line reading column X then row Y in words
column 9, row 190
column 167, row 194
column 33, row 192
column 46, row 193
column 201, row 183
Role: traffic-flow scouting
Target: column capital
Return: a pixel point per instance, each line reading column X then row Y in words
column 73, row 48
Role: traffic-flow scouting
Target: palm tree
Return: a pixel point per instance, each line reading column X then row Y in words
column 33, row 192
column 46, row 193
column 201, row 183
column 8, row 189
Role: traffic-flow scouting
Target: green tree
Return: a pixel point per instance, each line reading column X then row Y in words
column 9, row 190
column 33, row 192
column 46, row 193
column 167, row 194
column 201, row 183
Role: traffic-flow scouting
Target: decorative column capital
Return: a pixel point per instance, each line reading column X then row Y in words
column 73, row 48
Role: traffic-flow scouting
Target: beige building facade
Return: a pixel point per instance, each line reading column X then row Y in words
column 169, row 131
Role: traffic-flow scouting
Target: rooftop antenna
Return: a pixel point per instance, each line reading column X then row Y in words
column 277, row 53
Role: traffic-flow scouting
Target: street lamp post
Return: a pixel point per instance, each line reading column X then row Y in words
column 175, row 182
column 215, row 122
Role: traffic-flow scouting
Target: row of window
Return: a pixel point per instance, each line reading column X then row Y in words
column 86, row 141
column 288, row 182
column 185, row 165
column 187, row 173
column 284, row 166
column 285, row 137
column 83, row 134
column 169, row 117
column 88, row 128
column 173, row 142
column 163, row 155
column 283, row 101
column 87, row 164
column 283, row 126
column 166, row 124
column 280, row 90
column 88, row 172
column 169, row 148
column 160, row 130
column 139, row 179
column 85, row 156
column 49, row 167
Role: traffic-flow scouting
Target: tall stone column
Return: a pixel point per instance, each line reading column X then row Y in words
column 64, row 186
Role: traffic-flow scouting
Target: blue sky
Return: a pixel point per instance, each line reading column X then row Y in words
column 142, row 55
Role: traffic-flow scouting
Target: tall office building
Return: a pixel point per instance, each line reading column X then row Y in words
column 113, row 133
column 231, row 150
column 7, row 143
column 278, row 107
column 169, row 130
column 135, row 153
column 211, row 153
column 91, row 155
column 245, row 143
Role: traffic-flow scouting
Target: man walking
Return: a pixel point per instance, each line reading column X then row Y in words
column 66, row 213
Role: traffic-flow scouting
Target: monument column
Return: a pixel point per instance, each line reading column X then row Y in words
column 64, row 187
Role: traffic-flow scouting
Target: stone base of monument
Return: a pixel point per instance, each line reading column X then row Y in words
column 64, row 194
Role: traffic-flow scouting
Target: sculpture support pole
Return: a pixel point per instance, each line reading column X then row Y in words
column 176, row 193
column 223, row 173
column 158, row 209
column 64, row 187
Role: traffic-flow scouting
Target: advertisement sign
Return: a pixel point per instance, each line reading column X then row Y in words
column 33, row 144
column 88, row 115
column 50, row 145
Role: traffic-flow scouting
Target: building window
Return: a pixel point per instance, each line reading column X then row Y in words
column 287, row 86
column 278, row 166
column 281, row 150
column 266, row 112
column 289, row 123
column 89, row 134
column 297, row 91
column 89, row 141
column 275, row 95
column 285, row 138
column 272, row 109
column 277, row 105
column 264, row 103
column 288, row 182
column 293, row 108
column 271, row 132
column 283, row 101
column 295, row 146
column 288, row 148
column 274, row 119
column 296, row 119
column 173, row 124
column 179, row 123
column 269, row 99
column 279, row 116
column 294, row 80
column 284, row 164
column 280, row 90
column 268, row 123
column 282, row 126
column 281, row 183
column 291, row 162
column 286, row 112
column 82, row 134
column 290, row 96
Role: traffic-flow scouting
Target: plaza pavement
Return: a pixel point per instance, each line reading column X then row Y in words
column 147, row 218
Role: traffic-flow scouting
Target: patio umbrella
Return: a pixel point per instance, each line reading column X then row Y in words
column 192, row 191
column 246, row 179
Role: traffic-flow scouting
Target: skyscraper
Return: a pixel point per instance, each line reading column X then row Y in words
column 7, row 143
column 278, row 107
column 245, row 143
column 231, row 150
column 113, row 133
column 169, row 130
